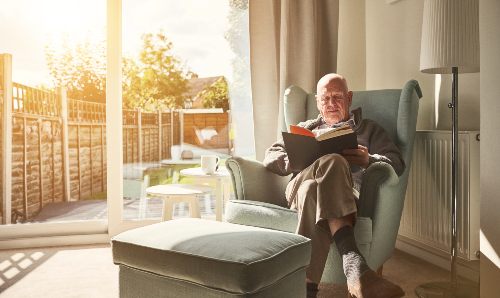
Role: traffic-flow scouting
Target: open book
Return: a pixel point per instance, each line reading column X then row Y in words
column 304, row 147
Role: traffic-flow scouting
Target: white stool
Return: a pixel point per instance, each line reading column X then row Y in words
column 176, row 193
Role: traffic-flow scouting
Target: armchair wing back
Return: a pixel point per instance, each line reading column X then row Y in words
column 260, row 193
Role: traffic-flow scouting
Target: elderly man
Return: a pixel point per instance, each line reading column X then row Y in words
column 325, row 193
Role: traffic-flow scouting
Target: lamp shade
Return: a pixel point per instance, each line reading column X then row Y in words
column 450, row 36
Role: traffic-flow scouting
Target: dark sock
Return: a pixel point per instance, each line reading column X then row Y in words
column 354, row 263
column 312, row 290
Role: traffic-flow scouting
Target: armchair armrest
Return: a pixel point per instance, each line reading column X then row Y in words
column 378, row 175
column 252, row 181
column 382, row 199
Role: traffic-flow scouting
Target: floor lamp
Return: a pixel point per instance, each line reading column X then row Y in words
column 450, row 44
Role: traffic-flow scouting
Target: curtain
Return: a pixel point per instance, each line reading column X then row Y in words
column 292, row 42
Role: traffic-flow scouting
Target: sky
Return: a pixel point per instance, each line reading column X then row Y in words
column 196, row 28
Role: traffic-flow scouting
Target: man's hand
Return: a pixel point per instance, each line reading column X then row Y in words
column 357, row 156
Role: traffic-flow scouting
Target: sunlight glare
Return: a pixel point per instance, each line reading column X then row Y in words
column 25, row 263
column 9, row 274
column 437, row 90
column 488, row 250
column 37, row 255
column 76, row 21
column 17, row 256
column 4, row 265
column 32, row 26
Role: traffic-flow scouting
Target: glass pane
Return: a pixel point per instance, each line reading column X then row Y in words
column 58, row 148
column 186, row 94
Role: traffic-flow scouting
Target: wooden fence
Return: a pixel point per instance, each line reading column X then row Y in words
column 58, row 144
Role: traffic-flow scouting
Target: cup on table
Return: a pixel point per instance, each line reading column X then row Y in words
column 175, row 152
column 209, row 164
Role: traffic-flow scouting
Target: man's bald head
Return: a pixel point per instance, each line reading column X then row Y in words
column 329, row 79
column 333, row 98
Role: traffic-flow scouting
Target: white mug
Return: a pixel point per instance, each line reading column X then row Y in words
column 209, row 164
column 175, row 152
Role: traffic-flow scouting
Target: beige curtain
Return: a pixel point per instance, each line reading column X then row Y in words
column 291, row 42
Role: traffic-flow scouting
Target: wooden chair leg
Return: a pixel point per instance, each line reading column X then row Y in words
column 168, row 207
column 194, row 207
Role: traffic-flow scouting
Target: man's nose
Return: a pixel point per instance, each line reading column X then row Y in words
column 332, row 103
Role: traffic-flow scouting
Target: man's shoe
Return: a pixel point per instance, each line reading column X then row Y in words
column 312, row 290
column 371, row 285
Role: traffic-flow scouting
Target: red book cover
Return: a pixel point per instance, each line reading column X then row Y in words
column 301, row 131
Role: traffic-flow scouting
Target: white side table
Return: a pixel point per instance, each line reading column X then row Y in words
column 173, row 166
column 222, row 185
column 176, row 193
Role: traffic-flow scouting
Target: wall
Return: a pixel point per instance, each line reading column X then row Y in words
column 489, row 24
column 351, row 55
column 393, row 57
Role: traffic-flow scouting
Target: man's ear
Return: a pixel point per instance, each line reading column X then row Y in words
column 349, row 96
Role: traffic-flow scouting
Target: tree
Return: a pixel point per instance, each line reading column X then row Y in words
column 81, row 69
column 216, row 95
column 157, row 79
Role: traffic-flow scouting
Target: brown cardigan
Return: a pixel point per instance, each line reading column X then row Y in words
column 370, row 134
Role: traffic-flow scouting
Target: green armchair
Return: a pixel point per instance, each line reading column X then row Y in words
column 260, row 194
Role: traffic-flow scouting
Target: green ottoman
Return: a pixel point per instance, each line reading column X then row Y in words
column 203, row 258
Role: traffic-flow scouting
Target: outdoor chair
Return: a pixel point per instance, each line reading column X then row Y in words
column 260, row 194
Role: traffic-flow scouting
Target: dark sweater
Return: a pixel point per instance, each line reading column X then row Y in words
column 370, row 134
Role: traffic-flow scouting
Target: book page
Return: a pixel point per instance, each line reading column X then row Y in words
column 328, row 133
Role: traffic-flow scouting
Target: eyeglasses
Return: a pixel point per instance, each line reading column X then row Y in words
column 336, row 98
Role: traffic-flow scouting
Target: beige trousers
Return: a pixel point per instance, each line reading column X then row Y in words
column 320, row 192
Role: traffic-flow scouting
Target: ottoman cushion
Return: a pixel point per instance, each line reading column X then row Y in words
column 230, row 257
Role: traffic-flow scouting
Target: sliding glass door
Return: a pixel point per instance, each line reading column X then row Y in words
column 102, row 99
column 53, row 118
column 185, row 77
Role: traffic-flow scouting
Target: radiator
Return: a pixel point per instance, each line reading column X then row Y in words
column 426, row 218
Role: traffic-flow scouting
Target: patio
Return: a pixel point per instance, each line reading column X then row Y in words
column 97, row 210
column 135, row 203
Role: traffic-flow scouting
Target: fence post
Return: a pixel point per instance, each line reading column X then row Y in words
column 65, row 143
column 91, row 164
column 171, row 137
column 159, row 135
column 181, row 128
column 40, row 161
column 6, row 81
column 25, row 168
column 139, row 134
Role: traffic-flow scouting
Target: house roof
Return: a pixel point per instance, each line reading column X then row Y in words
column 196, row 85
